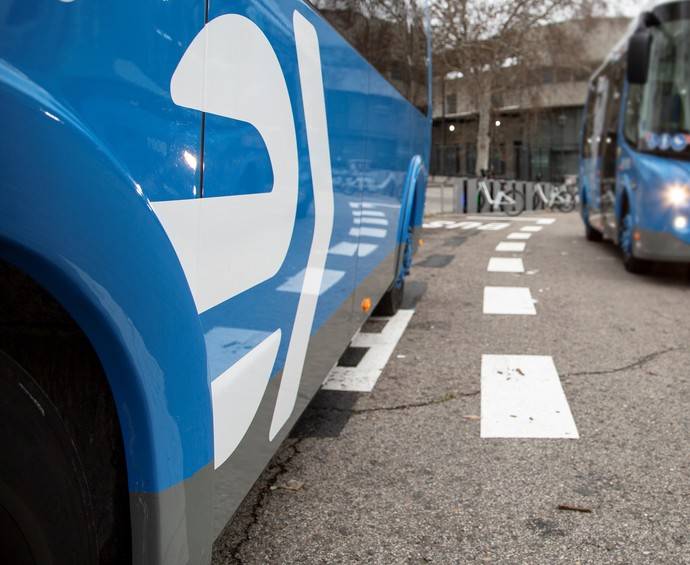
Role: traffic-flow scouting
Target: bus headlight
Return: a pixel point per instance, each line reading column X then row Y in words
column 680, row 222
column 677, row 194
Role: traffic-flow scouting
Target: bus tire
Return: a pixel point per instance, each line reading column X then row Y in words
column 391, row 301
column 631, row 263
column 590, row 233
column 46, row 513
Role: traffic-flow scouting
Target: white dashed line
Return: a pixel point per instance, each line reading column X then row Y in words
column 508, row 300
column 510, row 246
column 363, row 377
column 532, row 228
column 493, row 227
column 511, row 219
column 505, row 265
column 546, row 221
column 522, row 397
column 518, row 235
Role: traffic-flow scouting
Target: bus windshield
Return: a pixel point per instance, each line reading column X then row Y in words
column 664, row 118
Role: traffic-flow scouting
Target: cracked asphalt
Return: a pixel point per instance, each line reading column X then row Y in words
column 400, row 475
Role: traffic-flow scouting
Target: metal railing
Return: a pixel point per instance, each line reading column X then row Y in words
column 459, row 195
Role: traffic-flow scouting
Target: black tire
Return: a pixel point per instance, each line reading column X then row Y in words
column 391, row 301
column 631, row 263
column 45, row 509
column 590, row 233
column 513, row 209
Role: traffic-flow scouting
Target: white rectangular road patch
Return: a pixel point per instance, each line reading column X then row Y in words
column 510, row 246
column 518, row 235
column 505, row 265
column 546, row 221
column 363, row 377
column 522, row 397
column 508, row 300
column 532, row 228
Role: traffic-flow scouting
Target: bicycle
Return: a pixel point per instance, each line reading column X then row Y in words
column 559, row 197
column 511, row 203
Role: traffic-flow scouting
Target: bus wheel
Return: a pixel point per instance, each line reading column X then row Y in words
column 391, row 301
column 46, row 514
column 590, row 233
column 625, row 239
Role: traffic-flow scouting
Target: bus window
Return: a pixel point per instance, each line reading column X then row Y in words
column 589, row 125
column 665, row 113
column 632, row 115
column 391, row 36
column 609, row 141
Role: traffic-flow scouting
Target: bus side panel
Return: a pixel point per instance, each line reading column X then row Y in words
column 373, row 135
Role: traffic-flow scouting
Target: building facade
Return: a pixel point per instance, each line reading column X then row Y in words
column 534, row 128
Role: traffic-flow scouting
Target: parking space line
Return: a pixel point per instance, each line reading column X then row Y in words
column 518, row 235
column 510, row 246
column 532, row 228
column 505, row 265
column 508, row 300
column 363, row 377
column 522, row 397
column 495, row 226
column 486, row 217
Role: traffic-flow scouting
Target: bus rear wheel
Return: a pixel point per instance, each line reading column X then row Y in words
column 590, row 233
column 391, row 301
column 46, row 514
column 625, row 239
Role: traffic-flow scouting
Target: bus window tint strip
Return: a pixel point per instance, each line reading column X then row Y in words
column 391, row 36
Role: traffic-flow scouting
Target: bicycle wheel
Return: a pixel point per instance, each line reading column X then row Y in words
column 514, row 207
column 566, row 203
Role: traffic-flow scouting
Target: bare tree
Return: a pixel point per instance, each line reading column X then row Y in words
column 499, row 45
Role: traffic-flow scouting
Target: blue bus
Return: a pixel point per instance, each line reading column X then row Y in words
column 635, row 147
column 200, row 204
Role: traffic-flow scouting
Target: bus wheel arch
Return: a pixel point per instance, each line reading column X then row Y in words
column 411, row 212
column 46, row 354
column 625, row 238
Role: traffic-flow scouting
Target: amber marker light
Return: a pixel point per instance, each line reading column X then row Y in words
column 421, row 242
column 366, row 304
column 637, row 235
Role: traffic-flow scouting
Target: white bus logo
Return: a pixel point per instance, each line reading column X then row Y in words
column 230, row 69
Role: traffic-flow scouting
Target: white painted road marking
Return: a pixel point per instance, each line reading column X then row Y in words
column 363, row 377
column 522, row 397
column 546, row 221
column 508, row 300
column 532, row 228
column 493, row 227
column 505, row 265
column 510, row 246
column 518, row 235
column 510, row 219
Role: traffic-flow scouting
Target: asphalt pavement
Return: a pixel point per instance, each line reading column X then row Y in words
column 402, row 474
